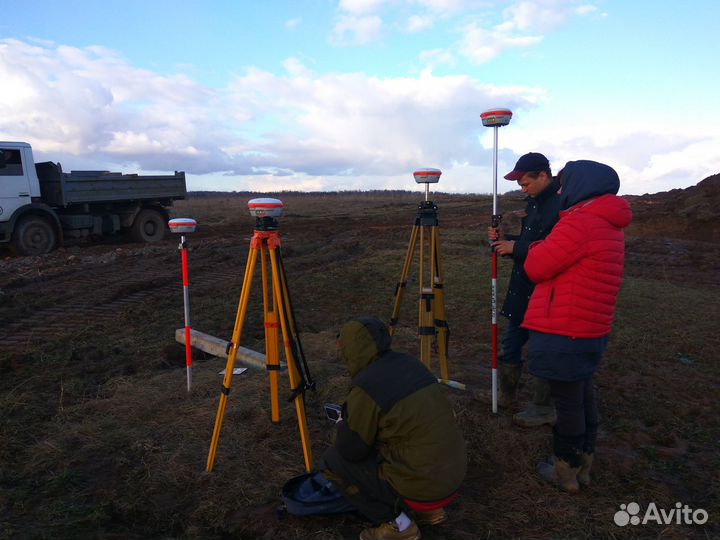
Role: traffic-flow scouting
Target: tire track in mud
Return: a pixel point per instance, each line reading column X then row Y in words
column 46, row 324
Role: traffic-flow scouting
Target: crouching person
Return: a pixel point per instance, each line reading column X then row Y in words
column 398, row 445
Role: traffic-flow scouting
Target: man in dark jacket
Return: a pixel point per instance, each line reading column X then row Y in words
column 533, row 175
column 397, row 439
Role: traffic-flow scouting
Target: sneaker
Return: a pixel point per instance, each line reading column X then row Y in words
column 389, row 531
column 431, row 517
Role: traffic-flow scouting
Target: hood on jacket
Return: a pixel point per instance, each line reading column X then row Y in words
column 615, row 210
column 584, row 179
column 362, row 341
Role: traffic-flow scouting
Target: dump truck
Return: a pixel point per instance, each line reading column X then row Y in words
column 41, row 206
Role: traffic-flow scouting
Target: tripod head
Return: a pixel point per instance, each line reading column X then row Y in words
column 427, row 176
column 266, row 211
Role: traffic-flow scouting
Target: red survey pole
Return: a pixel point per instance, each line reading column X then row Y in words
column 183, row 226
column 495, row 118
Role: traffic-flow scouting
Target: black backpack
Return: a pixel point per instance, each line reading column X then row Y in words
column 313, row 495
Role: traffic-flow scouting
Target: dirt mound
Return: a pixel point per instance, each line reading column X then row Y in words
column 690, row 213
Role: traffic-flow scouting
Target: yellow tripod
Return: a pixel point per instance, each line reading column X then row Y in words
column 433, row 326
column 278, row 316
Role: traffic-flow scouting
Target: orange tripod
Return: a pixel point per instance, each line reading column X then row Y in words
column 278, row 316
column 433, row 327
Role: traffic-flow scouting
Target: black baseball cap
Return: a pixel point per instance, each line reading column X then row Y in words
column 530, row 162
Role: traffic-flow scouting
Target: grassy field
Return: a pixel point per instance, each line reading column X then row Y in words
column 101, row 440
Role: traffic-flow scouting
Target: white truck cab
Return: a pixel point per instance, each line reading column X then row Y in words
column 18, row 179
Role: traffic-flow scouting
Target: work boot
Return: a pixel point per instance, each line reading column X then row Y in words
column 541, row 410
column 389, row 531
column 585, row 466
column 560, row 474
column 508, row 381
column 431, row 517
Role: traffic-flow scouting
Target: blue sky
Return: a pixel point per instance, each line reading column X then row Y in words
column 356, row 94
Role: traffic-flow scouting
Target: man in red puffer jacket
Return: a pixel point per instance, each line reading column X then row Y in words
column 577, row 270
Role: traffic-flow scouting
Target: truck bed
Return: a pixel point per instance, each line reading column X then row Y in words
column 77, row 187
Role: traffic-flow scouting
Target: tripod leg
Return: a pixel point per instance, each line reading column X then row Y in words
column 286, row 324
column 400, row 287
column 272, row 345
column 439, row 306
column 426, row 327
column 232, row 355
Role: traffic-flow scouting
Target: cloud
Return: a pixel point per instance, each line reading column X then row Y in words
column 480, row 45
column 292, row 24
column 418, row 23
column 541, row 15
column 353, row 30
column 437, row 57
column 649, row 157
column 91, row 102
column 91, row 108
column 522, row 25
column 360, row 7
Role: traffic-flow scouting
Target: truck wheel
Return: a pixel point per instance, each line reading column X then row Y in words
column 149, row 226
column 33, row 235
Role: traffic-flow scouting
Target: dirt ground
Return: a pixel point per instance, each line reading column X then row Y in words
column 102, row 440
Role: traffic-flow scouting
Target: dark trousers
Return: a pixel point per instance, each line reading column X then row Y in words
column 513, row 340
column 575, row 430
column 361, row 484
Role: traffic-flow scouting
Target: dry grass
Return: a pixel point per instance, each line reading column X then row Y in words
column 101, row 439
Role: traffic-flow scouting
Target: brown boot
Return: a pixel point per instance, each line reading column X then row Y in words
column 508, row 381
column 431, row 517
column 585, row 466
column 541, row 410
column 389, row 531
column 560, row 474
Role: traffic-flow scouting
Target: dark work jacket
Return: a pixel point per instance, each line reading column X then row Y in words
column 397, row 411
column 542, row 215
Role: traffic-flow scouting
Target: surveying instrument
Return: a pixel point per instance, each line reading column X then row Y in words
column 278, row 316
column 495, row 118
column 433, row 327
column 183, row 226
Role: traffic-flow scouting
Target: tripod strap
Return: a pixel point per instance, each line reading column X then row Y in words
column 295, row 392
column 306, row 379
column 225, row 390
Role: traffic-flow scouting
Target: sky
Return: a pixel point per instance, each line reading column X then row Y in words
column 325, row 95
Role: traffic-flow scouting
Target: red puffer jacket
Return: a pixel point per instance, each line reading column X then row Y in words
column 578, row 270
